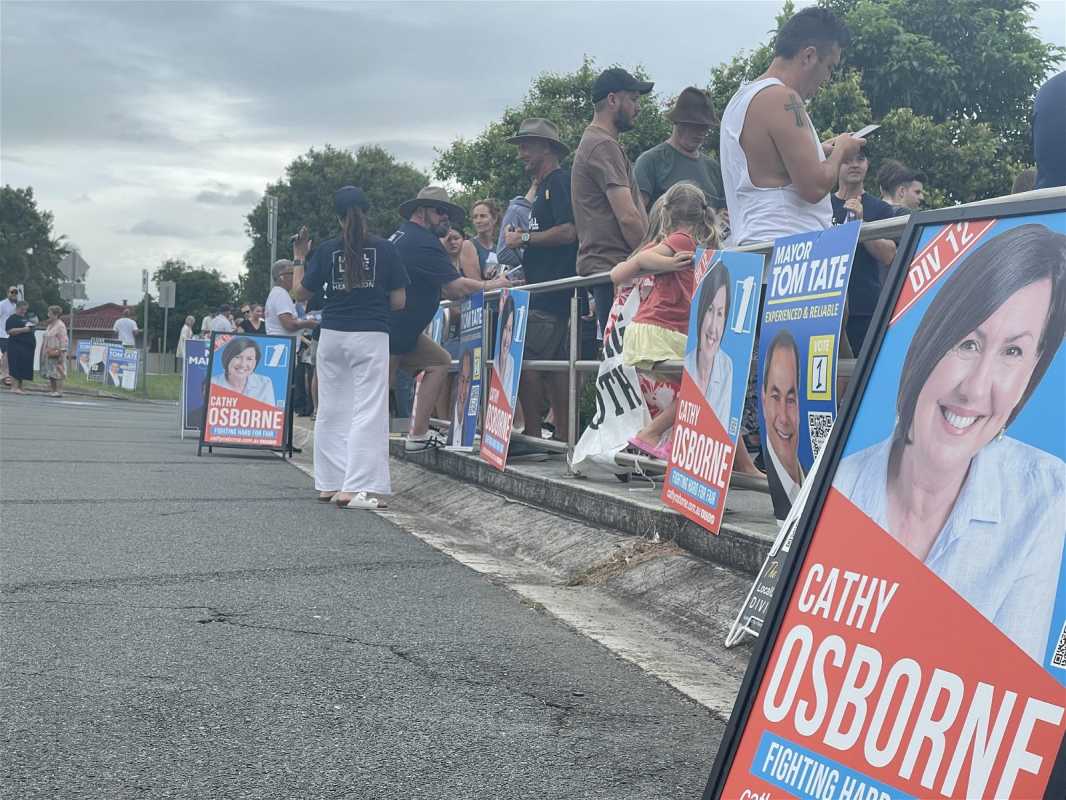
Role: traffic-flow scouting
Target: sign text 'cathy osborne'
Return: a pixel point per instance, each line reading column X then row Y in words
column 860, row 601
column 497, row 420
column 224, row 412
column 693, row 452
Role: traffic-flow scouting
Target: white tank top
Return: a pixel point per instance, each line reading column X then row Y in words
column 758, row 214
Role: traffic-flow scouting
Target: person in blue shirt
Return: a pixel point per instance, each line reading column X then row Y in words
column 872, row 257
column 361, row 279
column 428, row 216
column 1049, row 125
column 982, row 510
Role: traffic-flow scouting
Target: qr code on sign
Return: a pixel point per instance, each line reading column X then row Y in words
column 819, row 423
column 1058, row 658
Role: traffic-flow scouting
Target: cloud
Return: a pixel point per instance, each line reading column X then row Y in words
column 214, row 198
column 178, row 110
column 151, row 227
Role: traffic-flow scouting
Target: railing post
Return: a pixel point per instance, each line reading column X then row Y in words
column 571, row 388
column 486, row 316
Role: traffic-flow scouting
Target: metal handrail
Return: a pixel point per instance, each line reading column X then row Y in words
column 892, row 228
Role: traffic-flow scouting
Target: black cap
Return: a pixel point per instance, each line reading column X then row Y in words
column 617, row 79
column 348, row 196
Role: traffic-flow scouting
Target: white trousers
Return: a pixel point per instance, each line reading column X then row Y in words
column 352, row 420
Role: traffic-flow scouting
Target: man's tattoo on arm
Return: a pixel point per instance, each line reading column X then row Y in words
column 796, row 107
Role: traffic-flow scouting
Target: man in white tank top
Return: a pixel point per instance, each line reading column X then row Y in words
column 777, row 175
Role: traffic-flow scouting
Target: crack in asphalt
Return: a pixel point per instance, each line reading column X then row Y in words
column 238, row 574
column 218, row 616
column 140, row 500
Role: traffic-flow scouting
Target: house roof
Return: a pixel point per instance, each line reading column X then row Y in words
column 97, row 318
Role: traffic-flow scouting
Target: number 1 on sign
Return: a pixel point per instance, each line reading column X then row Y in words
column 275, row 355
column 818, row 376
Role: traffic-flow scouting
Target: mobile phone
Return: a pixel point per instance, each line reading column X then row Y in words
column 862, row 133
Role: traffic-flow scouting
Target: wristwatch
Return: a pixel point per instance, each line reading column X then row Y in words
column 525, row 237
column 298, row 262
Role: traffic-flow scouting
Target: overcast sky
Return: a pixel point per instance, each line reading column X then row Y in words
column 150, row 129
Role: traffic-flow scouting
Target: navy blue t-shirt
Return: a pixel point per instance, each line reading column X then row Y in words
column 429, row 268
column 1049, row 121
column 865, row 286
column 551, row 207
column 366, row 306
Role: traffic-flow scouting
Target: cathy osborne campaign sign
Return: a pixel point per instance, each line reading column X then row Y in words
column 721, row 333
column 193, row 377
column 806, row 284
column 468, row 378
column 503, row 380
column 915, row 660
column 248, row 390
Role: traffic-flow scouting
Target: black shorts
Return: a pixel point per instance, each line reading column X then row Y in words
column 3, row 345
column 545, row 337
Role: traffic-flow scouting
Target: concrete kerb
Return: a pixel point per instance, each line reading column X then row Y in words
column 34, row 388
column 736, row 547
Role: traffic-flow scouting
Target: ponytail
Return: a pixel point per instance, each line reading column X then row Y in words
column 354, row 227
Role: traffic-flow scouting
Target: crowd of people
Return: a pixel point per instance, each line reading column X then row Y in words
column 360, row 304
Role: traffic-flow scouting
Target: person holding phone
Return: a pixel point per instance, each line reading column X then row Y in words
column 21, row 345
column 872, row 257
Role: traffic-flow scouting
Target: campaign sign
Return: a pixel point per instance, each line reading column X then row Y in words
column 806, row 285
column 98, row 352
column 120, row 366
column 81, row 354
column 916, row 647
column 721, row 334
column 247, row 392
column 503, row 380
column 468, row 378
column 621, row 406
column 438, row 324
column 193, row 376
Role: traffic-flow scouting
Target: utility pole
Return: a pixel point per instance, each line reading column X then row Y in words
column 144, row 333
column 272, row 226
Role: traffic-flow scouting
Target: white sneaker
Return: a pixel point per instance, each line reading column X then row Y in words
column 431, row 440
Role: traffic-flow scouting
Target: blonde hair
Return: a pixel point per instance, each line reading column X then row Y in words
column 656, row 232
column 685, row 206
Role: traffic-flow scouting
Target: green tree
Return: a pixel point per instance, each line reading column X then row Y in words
column 950, row 81
column 487, row 166
column 198, row 291
column 305, row 197
column 29, row 253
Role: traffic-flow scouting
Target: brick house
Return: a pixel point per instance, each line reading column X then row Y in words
column 96, row 321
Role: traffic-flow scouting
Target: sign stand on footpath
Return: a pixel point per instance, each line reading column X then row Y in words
column 898, row 661
column 721, row 334
column 503, row 380
column 467, row 405
column 246, row 394
column 194, row 366
column 806, row 287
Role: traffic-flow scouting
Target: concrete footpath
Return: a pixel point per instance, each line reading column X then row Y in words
column 176, row 626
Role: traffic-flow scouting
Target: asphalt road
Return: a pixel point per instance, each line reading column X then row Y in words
column 175, row 626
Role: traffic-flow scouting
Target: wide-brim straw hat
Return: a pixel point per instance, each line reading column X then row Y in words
column 539, row 128
column 436, row 197
column 692, row 107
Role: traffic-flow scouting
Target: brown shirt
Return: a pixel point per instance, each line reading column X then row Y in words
column 599, row 163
